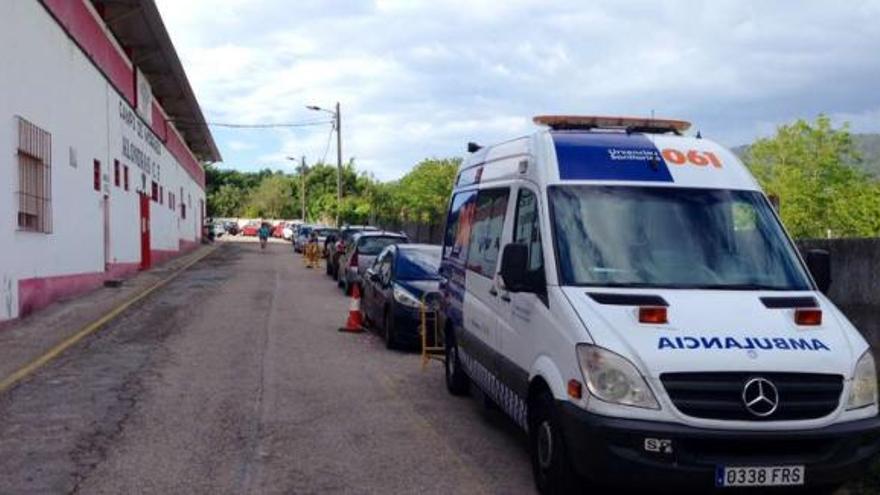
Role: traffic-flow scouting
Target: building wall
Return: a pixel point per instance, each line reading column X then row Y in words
column 48, row 80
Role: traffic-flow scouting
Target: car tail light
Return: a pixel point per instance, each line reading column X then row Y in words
column 354, row 260
column 808, row 317
column 653, row 314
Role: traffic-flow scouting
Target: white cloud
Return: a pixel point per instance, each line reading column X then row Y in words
column 419, row 79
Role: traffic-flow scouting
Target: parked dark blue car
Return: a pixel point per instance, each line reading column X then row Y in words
column 393, row 288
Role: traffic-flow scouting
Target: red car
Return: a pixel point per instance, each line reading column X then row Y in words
column 278, row 230
column 250, row 230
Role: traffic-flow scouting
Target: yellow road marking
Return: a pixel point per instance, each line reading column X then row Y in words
column 91, row 328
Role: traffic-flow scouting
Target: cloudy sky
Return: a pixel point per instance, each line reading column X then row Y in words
column 420, row 79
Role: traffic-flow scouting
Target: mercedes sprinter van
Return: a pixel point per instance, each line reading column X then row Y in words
column 630, row 298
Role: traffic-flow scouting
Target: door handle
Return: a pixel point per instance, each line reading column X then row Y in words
column 493, row 291
column 505, row 298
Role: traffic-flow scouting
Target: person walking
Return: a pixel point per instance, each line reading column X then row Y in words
column 312, row 251
column 264, row 235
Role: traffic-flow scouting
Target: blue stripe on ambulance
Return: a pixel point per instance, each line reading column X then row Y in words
column 609, row 156
column 511, row 403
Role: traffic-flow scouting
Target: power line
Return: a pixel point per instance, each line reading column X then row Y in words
column 327, row 148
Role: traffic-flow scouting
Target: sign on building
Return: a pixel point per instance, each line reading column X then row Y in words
column 144, row 98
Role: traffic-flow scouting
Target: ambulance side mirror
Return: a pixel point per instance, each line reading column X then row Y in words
column 819, row 264
column 514, row 268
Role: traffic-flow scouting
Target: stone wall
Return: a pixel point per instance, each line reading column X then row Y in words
column 855, row 281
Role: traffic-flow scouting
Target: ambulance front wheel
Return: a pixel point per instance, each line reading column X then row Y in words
column 553, row 471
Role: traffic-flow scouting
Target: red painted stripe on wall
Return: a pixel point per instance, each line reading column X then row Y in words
column 82, row 26
column 177, row 147
column 179, row 150
column 162, row 255
column 159, row 125
column 37, row 293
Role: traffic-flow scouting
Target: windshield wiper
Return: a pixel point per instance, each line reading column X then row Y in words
column 643, row 285
column 624, row 285
column 750, row 286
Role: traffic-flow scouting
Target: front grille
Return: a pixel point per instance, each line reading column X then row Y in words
column 720, row 395
column 748, row 450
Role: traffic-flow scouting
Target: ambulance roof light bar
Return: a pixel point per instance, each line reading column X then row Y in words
column 628, row 124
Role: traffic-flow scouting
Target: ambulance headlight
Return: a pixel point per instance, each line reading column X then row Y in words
column 863, row 391
column 611, row 378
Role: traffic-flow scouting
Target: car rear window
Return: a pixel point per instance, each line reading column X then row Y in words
column 325, row 232
column 418, row 264
column 347, row 234
column 372, row 245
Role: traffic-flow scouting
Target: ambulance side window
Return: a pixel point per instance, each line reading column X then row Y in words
column 485, row 238
column 527, row 229
column 458, row 226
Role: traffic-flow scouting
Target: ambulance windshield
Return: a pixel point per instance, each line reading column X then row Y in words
column 617, row 236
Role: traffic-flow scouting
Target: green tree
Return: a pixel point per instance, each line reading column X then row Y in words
column 423, row 193
column 226, row 201
column 273, row 198
column 420, row 196
column 808, row 166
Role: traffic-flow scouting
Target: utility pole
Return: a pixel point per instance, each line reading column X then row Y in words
column 302, row 176
column 338, row 162
column 337, row 125
column 302, row 181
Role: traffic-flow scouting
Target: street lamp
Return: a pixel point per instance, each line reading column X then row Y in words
column 302, row 176
column 337, row 125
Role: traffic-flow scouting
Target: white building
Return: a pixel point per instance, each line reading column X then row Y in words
column 101, row 140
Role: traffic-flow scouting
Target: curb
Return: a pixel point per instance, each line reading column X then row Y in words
column 28, row 369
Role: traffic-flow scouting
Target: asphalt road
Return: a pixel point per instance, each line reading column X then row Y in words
column 234, row 379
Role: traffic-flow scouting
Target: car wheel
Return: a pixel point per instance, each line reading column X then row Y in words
column 551, row 466
column 388, row 331
column 457, row 382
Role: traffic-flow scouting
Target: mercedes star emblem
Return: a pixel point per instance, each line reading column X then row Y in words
column 760, row 397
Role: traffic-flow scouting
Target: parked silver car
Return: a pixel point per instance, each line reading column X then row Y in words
column 361, row 252
column 302, row 237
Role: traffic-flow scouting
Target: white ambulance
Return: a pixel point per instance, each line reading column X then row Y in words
column 630, row 298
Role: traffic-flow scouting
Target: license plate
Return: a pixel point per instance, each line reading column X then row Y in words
column 759, row 476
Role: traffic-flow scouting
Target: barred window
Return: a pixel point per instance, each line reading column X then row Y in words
column 34, row 178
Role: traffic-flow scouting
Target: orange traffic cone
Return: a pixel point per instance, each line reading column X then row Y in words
column 355, row 323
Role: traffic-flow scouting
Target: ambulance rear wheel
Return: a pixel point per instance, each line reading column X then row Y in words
column 553, row 472
column 457, row 382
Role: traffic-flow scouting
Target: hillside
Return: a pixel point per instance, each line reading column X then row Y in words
column 867, row 144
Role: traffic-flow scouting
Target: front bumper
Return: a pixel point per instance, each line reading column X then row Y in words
column 613, row 451
column 407, row 324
